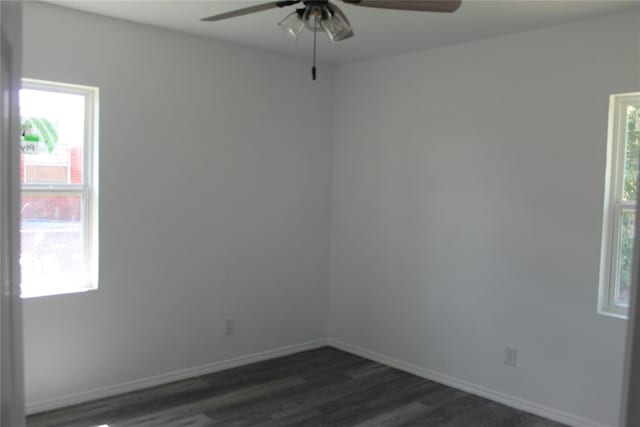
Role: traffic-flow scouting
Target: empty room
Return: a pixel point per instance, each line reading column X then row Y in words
column 322, row 213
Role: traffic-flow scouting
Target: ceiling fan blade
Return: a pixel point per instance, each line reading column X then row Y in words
column 415, row 5
column 251, row 9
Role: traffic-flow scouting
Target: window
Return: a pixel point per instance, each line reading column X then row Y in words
column 59, row 198
column 621, row 196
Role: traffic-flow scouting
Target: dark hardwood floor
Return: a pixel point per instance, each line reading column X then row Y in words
column 323, row 387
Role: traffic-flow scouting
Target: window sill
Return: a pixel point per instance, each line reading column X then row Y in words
column 53, row 292
column 617, row 312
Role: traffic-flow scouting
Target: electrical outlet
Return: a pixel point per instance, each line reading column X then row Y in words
column 229, row 326
column 510, row 356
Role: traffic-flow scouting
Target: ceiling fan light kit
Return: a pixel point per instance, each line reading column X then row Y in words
column 324, row 16
column 315, row 19
column 292, row 24
column 337, row 27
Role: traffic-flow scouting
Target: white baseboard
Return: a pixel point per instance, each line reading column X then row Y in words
column 112, row 390
column 505, row 399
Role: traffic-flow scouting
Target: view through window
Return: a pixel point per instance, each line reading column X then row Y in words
column 58, row 225
column 620, row 205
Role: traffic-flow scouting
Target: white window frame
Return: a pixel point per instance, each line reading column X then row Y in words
column 614, row 204
column 88, row 190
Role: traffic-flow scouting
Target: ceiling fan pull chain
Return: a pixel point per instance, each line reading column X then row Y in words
column 315, row 42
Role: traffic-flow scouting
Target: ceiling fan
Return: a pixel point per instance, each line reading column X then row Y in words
column 325, row 16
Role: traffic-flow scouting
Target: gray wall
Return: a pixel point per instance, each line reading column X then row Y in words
column 467, row 207
column 215, row 195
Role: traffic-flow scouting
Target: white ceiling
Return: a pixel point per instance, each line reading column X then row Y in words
column 378, row 32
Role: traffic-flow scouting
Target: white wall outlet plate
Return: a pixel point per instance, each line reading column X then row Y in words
column 511, row 356
column 229, row 326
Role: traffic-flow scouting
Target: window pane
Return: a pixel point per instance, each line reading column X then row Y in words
column 625, row 259
column 632, row 158
column 52, row 137
column 51, row 257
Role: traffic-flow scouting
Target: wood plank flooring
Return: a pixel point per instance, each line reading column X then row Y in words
column 323, row 387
